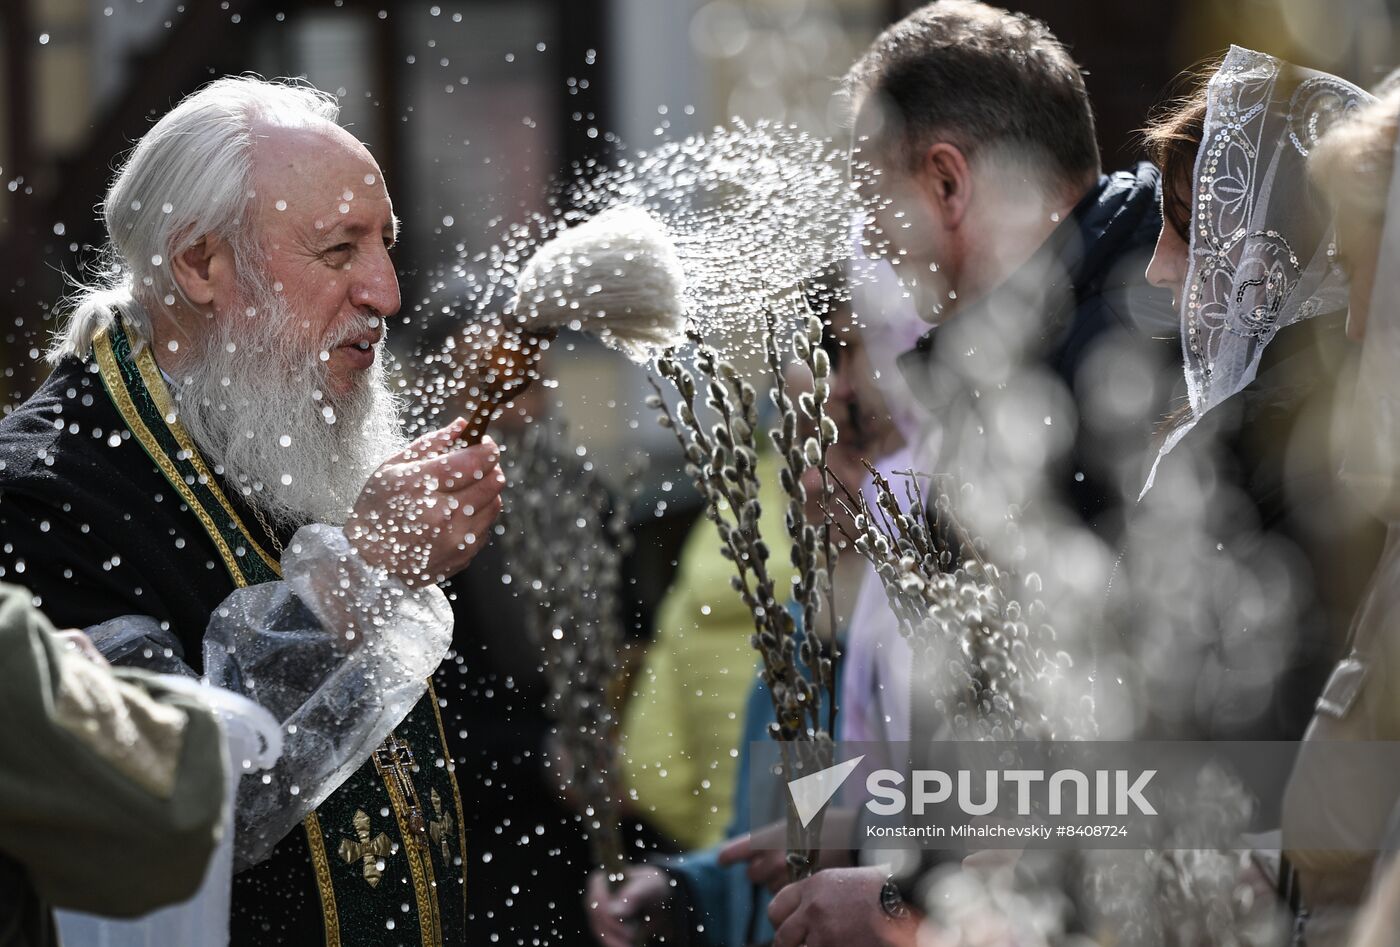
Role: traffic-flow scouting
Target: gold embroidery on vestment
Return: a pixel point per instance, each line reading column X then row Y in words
column 155, row 384
column 441, row 828
column 322, row 867
column 456, row 796
column 111, row 375
column 394, row 761
column 368, row 850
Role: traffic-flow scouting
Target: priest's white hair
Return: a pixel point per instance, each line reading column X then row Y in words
column 188, row 177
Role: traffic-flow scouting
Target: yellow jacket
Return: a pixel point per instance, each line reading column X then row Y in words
column 680, row 730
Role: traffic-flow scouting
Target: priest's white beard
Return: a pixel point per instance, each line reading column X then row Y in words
column 256, row 403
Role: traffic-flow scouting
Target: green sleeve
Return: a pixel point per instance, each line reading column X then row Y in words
column 111, row 793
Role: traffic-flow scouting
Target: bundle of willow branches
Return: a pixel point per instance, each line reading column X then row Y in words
column 979, row 653
column 565, row 539
column 723, row 462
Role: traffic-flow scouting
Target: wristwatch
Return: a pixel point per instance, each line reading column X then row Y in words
column 892, row 902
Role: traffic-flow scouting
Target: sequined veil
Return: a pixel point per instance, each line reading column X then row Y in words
column 1261, row 245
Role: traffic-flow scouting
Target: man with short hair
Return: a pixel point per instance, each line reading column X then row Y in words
column 218, row 415
column 974, row 146
column 974, row 149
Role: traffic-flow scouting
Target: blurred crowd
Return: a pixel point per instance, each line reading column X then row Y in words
column 1160, row 393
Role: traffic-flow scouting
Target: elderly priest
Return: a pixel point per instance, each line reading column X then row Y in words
column 214, row 480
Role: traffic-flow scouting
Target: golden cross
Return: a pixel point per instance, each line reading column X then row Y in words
column 441, row 827
column 396, row 757
column 371, row 850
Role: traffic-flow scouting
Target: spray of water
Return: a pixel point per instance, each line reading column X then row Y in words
column 750, row 212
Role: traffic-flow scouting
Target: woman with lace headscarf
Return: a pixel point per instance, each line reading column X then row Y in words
column 1248, row 248
column 1251, row 493
column 1246, row 241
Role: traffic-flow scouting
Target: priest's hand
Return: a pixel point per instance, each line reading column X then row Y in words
column 426, row 511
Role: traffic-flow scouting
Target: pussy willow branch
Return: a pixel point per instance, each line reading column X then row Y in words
column 945, row 594
column 819, row 559
column 724, row 468
column 800, row 534
column 705, row 466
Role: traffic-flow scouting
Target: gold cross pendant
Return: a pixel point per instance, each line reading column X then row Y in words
column 395, row 758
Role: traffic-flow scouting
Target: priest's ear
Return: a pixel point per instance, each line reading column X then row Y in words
column 945, row 179
column 204, row 271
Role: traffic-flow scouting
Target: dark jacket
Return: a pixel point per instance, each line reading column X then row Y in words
column 1084, row 288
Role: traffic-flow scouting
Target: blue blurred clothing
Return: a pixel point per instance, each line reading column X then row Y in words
column 724, row 902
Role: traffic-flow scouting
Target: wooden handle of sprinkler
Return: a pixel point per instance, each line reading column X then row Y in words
column 509, row 371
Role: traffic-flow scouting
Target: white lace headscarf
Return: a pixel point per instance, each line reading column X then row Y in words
column 1261, row 245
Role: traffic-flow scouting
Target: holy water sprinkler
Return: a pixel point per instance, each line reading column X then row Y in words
column 615, row 276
